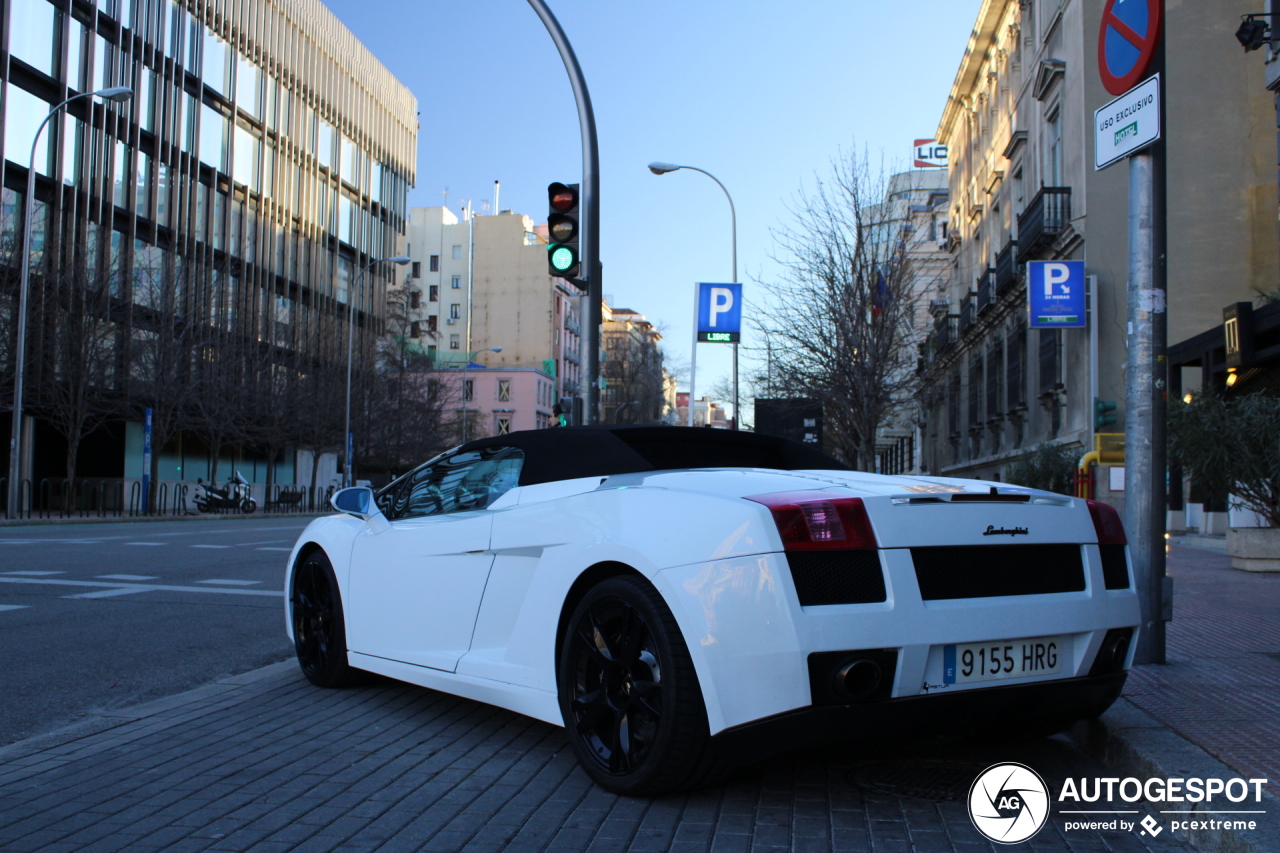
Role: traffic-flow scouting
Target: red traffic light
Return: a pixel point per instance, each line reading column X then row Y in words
column 562, row 198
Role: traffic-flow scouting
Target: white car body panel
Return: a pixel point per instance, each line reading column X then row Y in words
column 717, row 561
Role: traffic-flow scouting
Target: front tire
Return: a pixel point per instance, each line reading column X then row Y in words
column 248, row 505
column 319, row 631
column 632, row 706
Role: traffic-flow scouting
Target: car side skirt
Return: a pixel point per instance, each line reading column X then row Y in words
column 539, row 704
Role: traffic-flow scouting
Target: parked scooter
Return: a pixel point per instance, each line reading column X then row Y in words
column 235, row 495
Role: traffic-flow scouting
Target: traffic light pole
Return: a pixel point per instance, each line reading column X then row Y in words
column 590, row 241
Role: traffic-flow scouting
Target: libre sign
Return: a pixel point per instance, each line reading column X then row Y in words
column 1055, row 294
column 719, row 312
column 1129, row 123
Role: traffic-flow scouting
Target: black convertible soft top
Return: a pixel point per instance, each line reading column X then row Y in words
column 565, row 453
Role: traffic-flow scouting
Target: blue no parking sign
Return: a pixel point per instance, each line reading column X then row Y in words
column 1055, row 294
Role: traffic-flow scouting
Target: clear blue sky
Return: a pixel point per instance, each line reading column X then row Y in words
column 762, row 95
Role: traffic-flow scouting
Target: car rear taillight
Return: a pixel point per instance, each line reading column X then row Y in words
column 819, row 521
column 1106, row 521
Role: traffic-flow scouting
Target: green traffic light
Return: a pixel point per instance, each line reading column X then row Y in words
column 563, row 258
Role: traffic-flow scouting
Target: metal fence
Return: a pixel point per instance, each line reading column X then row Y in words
column 123, row 498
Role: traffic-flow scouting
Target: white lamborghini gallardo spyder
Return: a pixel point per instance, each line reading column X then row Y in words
column 682, row 600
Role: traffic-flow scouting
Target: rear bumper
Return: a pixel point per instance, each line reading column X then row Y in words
column 986, row 711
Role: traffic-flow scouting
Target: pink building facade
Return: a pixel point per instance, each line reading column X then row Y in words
column 502, row 399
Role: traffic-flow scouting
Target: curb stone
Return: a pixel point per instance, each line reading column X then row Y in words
column 1137, row 744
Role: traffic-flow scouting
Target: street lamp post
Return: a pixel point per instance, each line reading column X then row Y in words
column 114, row 94
column 466, row 365
column 662, row 169
column 351, row 337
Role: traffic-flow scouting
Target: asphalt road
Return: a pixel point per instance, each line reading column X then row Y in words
column 100, row 616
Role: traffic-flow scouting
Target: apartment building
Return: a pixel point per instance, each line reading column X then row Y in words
column 1018, row 124
column 475, row 283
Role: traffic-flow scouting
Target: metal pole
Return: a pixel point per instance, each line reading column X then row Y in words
column 1144, row 482
column 693, row 357
column 20, row 351
column 590, row 240
column 351, row 337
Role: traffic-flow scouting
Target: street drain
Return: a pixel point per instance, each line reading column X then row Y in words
column 945, row 781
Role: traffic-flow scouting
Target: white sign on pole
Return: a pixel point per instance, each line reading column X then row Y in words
column 1129, row 123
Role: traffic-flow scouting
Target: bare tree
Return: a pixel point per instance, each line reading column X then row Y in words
column 77, row 369
column 839, row 322
column 164, row 344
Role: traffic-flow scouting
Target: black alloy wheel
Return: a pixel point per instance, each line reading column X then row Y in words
column 630, row 697
column 319, row 632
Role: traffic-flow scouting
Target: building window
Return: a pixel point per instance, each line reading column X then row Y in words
column 454, row 343
column 504, row 390
column 435, row 263
column 417, row 269
column 1053, row 149
column 468, row 389
column 457, row 253
column 432, row 323
column 455, row 311
column 504, row 426
column 434, row 295
column 431, row 351
column 415, row 329
column 415, row 300
column 457, row 282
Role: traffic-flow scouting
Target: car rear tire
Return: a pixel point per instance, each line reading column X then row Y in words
column 319, row 631
column 630, row 698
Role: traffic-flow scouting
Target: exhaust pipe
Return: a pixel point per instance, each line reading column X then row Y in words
column 858, row 679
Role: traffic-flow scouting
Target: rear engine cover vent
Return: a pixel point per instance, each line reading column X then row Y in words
column 985, row 571
column 1115, row 570
column 837, row 577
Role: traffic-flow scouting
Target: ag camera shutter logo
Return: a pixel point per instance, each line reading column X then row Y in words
column 1008, row 803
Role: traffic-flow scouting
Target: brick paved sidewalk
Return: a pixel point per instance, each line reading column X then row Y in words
column 266, row 762
column 1220, row 688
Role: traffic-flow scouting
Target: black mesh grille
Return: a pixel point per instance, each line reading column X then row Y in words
column 1115, row 572
column 983, row 571
column 837, row 577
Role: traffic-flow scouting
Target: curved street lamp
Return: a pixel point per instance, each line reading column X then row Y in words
column 116, row 95
column 660, row 168
column 466, row 365
column 351, row 336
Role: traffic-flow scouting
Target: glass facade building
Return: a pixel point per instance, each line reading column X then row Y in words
column 264, row 160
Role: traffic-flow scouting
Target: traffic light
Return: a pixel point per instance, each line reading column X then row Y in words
column 568, row 410
column 562, row 225
column 1100, row 417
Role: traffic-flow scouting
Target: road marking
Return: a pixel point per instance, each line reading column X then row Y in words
column 127, row 577
column 32, row 573
column 111, row 593
column 231, row 530
column 14, row 606
column 210, row 546
column 147, row 588
column 268, row 542
column 17, row 541
column 144, row 543
column 273, row 549
column 221, row 582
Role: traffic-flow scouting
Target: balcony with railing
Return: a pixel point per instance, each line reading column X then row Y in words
column 986, row 291
column 967, row 312
column 1006, row 271
column 946, row 332
column 1043, row 220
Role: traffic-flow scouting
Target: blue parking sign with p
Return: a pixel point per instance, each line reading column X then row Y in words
column 719, row 312
column 1056, row 294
